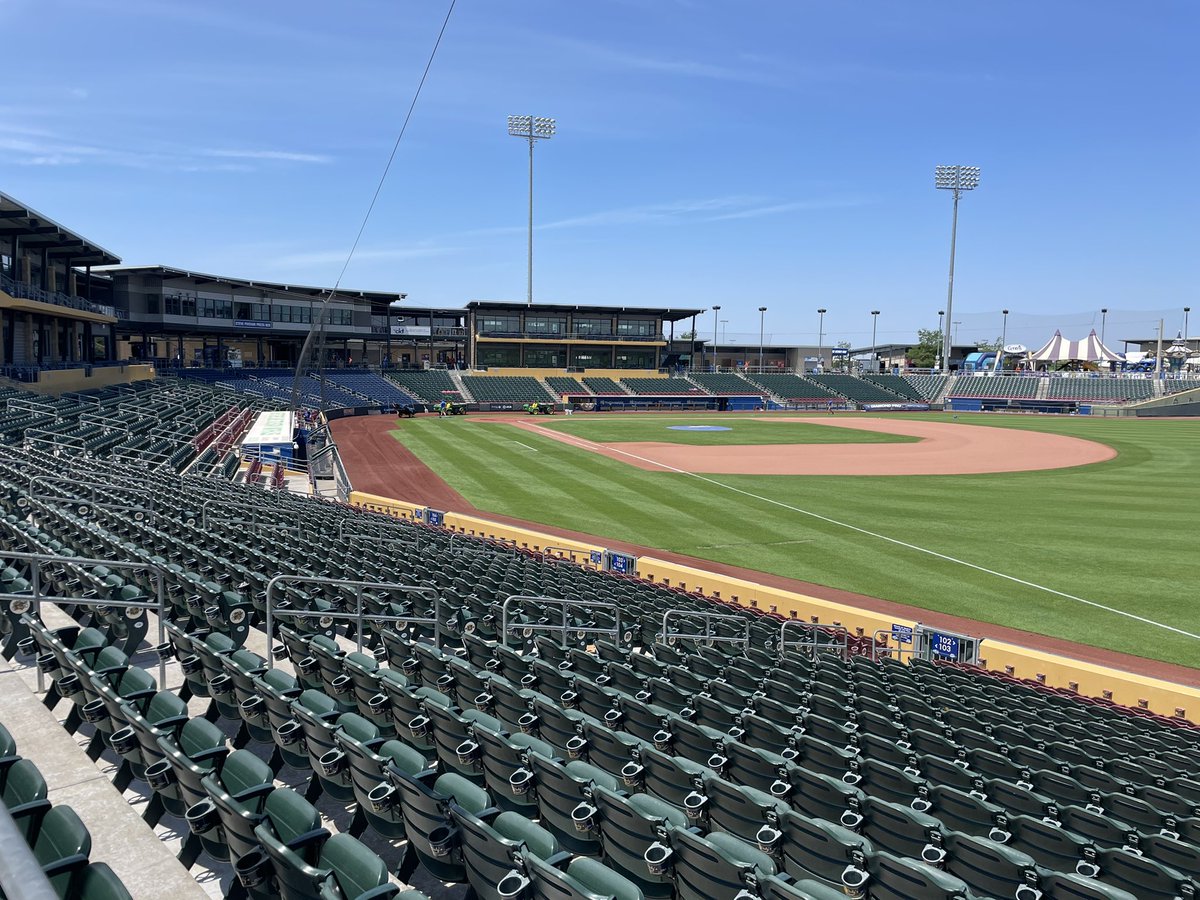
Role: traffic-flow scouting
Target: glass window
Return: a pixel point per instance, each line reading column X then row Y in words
column 187, row 305
column 545, row 324
column 243, row 310
column 593, row 326
column 498, row 355
column 153, row 304
column 636, row 327
column 546, row 357
column 171, row 304
column 502, row 324
column 635, row 359
column 592, row 357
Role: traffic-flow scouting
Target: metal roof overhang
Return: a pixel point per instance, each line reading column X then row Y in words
column 40, row 232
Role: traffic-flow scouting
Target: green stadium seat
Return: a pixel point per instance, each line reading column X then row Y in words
column 896, row 878
column 492, row 840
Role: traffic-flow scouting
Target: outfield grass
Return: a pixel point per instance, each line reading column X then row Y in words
column 742, row 430
column 1120, row 533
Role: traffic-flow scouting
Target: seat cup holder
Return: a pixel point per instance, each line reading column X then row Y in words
column 445, row 683
column 253, row 869
column 603, row 679
column 780, row 788
column 191, row 665
column 512, row 885
column 202, row 817
column 520, row 782
column 768, row 839
column 658, row 859
column 419, row 727
column 921, row 805
column 613, row 717
column 93, row 711
column 933, row 855
column 576, row 747
column 854, row 879
column 27, row 646
column 378, row 704
column 341, row 685
column 279, row 652
column 47, row 663
column 999, row 835
column 165, row 651
column 662, row 741
column 253, row 709
column 850, row 820
column 160, row 776
column 790, row 753
column 852, row 778
column 737, row 733
column 643, row 696
column 583, row 817
column 564, row 666
column 717, row 763
column 569, row 700
column 124, row 741
column 333, row 763
column 221, row 686
column 527, row 723
column 484, row 702
column 631, row 774
column 528, row 681
column 441, row 841
column 379, row 653
column 1028, row 892
column 410, row 667
column 382, row 798
column 308, row 665
column 693, row 805
column 467, row 753
column 290, row 733
column 1087, row 869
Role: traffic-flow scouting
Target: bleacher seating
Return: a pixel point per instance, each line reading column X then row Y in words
column 604, row 387
column 322, row 396
column 584, row 765
column 373, row 387
column 1175, row 385
column 726, row 385
column 650, row 387
column 1100, row 390
column 506, row 389
column 1013, row 387
column 857, row 389
column 562, row 384
column 58, row 839
column 792, row 388
column 898, row 385
column 431, row 385
column 928, row 386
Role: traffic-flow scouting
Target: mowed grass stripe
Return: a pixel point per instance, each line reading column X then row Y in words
column 1117, row 533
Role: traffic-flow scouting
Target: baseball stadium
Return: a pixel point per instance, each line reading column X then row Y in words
column 318, row 593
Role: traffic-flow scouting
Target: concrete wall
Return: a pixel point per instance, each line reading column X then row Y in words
column 1088, row 679
column 58, row 381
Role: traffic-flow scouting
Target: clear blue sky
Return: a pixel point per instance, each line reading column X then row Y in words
column 759, row 152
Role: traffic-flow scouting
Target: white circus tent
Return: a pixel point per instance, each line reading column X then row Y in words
column 1090, row 349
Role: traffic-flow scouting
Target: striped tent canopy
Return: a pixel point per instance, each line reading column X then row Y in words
column 1059, row 349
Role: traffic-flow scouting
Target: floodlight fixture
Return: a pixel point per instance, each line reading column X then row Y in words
column 956, row 179
column 531, row 129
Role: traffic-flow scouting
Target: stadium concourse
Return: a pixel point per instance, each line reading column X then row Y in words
column 287, row 696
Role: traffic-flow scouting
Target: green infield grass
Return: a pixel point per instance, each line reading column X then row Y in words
column 1119, row 533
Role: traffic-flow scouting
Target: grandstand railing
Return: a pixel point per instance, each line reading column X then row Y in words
column 95, row 498
column 666, row 636
column 18, row 605
column 821, row 639
column 26, row 291
column 528, row 629
column 360, row 616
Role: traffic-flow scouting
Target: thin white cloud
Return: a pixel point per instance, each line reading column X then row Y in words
column 276, row 155
column 377, row 254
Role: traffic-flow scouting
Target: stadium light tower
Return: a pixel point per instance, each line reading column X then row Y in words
column 532, row 129
column 956, row 179
column 1003, row 341
column 716, row 312
column 1186, row 310
column 821, row 339
column 874, row 353
column 762, row 324
column 1103, row 323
